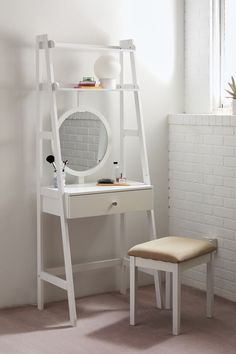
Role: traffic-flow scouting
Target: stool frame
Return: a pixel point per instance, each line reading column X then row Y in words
column 176, row 269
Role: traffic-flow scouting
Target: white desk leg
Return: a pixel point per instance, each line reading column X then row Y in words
column 176, row 300
column 157, row 275
column 133, row 290
column 123, row 272
column 210, row 291
column 68, row 270
column 40, row 282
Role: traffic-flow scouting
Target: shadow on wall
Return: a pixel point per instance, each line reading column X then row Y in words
column 17, row 133
column 18, row 176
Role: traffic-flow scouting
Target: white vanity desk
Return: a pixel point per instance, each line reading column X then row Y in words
column 84, row 200
column 81, row 142
column 87, row 200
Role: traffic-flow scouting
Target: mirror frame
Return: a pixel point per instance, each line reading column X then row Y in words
column 82, row 109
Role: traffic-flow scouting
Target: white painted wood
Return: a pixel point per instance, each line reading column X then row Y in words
column 158, row 289
column 157, row 275
column 92, row 188
column 83, row 267
column 68, row 269
column 88, row 47
column 72, row 87
column 174, row 269
column 130, row 132
column 61, row 201
column 176, row 300
column 210, row 286
column 104, row 203
column 123, row 251
column 151, row 264
column 87, row 199
column 46, row 135
column 138, row 109
column 122, row 123
column 40, row 284
column 195, row 262
column 52, row 279
column 133, row 291
column 145, row 168
column 168, row 288
column 51, row 206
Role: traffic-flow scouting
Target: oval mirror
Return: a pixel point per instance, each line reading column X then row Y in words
column 85, row 140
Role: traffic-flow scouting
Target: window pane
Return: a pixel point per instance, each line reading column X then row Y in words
column 230, row 42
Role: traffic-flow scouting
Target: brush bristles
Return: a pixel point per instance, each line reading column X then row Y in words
column 50, row 158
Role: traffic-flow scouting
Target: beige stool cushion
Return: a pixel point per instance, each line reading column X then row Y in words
column 172, row 249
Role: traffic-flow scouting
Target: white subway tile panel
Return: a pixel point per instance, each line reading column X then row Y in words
column 202, row 191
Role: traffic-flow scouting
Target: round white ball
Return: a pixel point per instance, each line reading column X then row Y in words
column 107, row 67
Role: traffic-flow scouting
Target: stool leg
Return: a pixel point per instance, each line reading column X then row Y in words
column 168, row 290
column 209, row 286
column 176, row 300
column 158, row 289
column 133, row 290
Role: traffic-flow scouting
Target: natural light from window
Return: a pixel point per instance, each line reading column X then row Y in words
column 229, row 61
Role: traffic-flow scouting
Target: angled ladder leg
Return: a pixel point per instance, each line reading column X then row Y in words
column 157, row 274
column 123, row 250
column 123, row 273
column 40, row 282
column 68, row 270
column 145, row 169
column 210, row 290
column 133, row 290
column 61, row 199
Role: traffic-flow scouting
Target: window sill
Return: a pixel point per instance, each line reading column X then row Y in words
column 215, row 119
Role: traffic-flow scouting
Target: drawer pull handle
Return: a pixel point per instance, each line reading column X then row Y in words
column 114, row 203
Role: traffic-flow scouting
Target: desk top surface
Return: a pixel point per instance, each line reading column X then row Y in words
column 92, row 188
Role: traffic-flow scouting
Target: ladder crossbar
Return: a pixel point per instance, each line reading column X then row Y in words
column 82, row 267
column 88, row 47
column 130, row 132
column 46, row 135
column 52, row 279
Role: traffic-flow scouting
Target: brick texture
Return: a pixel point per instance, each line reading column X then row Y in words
column 83, row 140
column 202, row 193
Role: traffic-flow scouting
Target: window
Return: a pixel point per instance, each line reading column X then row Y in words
column 228, row 46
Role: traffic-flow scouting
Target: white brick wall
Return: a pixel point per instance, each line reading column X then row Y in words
column 202, row 191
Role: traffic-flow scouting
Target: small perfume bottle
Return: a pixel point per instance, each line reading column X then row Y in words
column 116, row 171
column 122, row 179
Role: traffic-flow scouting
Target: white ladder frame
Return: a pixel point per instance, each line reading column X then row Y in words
column 42, row 43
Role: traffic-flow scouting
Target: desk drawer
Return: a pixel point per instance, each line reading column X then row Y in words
column 109, row 203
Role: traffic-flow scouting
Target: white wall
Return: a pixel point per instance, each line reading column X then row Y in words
column 198, row 60
column 157, row 27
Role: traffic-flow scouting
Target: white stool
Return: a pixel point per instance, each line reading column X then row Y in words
column 174, row 255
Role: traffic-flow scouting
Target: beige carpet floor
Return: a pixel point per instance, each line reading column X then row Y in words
column 103, row 327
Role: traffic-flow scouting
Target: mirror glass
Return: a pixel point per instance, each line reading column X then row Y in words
column 84, row 140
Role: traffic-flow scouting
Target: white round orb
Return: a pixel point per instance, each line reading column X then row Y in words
column 107, row 67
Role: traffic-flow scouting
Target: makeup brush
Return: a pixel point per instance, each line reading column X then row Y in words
column 51, row 159
column 64, row 165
